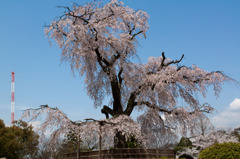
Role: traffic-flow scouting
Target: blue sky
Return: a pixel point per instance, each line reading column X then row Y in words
column 206, row 32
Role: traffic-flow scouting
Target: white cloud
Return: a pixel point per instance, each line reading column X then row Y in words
column 235, row 105
column 229, row 118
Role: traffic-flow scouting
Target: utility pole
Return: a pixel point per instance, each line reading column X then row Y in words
column 12, row 98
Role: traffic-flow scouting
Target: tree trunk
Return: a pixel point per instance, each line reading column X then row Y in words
column 116, row 92
column 120, row 141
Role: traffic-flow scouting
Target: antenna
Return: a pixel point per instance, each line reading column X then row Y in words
column 12, row 98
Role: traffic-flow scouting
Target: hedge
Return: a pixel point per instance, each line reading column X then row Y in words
column 221, row 151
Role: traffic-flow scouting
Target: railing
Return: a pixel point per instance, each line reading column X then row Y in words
column 123, row 154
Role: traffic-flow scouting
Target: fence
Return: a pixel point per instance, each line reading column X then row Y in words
column 123, row 154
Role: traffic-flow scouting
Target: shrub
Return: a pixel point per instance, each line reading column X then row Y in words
column 221, row 151
column 132, row 143
column 183, row 143
column 236, row 132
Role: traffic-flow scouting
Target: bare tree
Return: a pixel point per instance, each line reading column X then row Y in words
column 203, row 126
column 44, row 152
column 156, row 133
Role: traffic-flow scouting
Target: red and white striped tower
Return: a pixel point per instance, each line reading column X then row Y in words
column 12, row 98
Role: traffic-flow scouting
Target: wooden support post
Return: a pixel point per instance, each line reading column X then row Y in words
column 78, row 146
column 100, row 140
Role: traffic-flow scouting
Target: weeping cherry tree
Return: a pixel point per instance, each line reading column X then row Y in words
column 99, row 41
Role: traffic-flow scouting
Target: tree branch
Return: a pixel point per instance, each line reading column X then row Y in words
column 153, row 106
column 112, row 14
column 131, row 101
column 106, row 110
column 206, row 108
column 136, row 34
column 130, row 104
column 168, row 63
column 79, row 17
column 102, row 60
column 120, row 79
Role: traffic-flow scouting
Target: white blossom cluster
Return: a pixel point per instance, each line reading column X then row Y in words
column 202, row 142
column 57, row 121
column 126, row 126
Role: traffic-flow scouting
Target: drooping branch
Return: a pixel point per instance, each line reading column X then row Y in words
column 56, row 120
column 131, row 101
column 206, row 108
column 182, row 79
column 153, row 106
column 45, row 108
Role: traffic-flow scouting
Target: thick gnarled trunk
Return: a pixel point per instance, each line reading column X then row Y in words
column 120, row 140
column 116, row 92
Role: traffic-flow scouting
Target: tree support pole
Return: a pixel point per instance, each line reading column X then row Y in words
column 78, row 147
column 100, row 140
